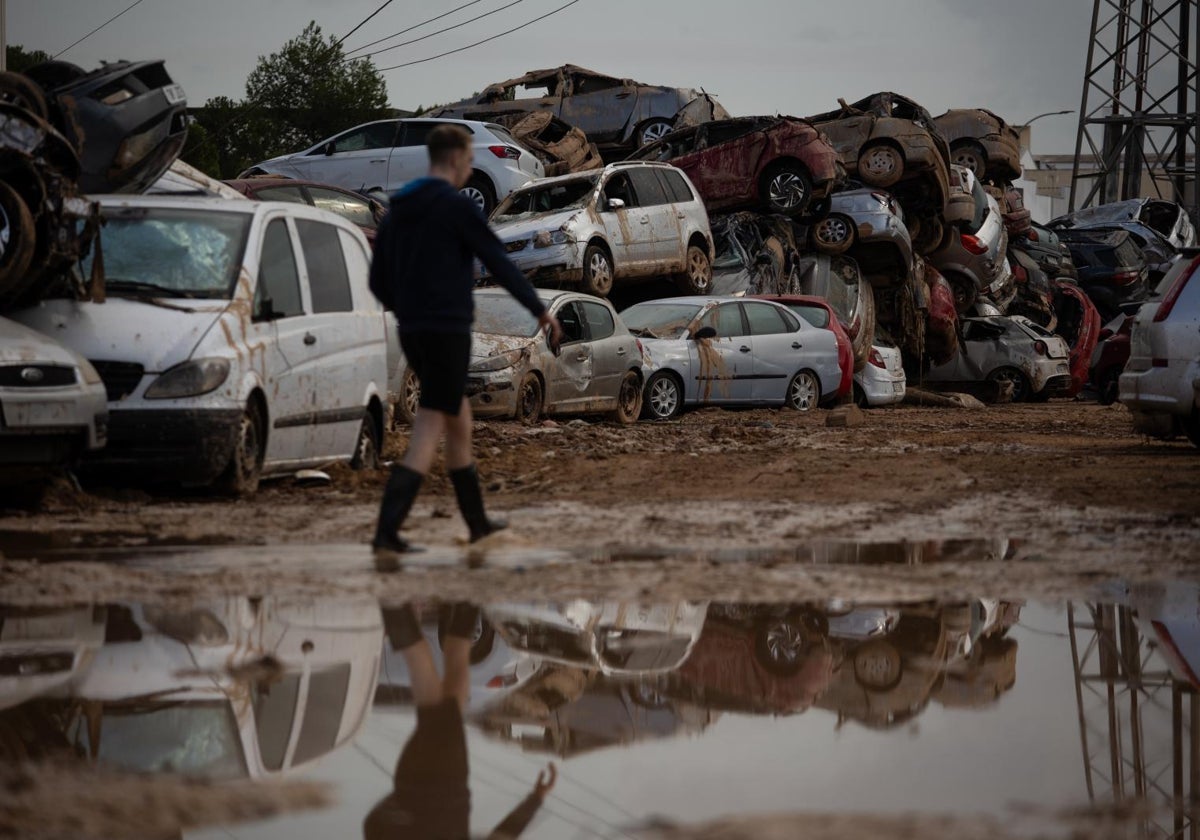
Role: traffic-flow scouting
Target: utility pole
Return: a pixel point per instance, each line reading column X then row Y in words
column 3, row 35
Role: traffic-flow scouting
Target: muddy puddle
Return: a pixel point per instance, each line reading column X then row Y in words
column 291, row 716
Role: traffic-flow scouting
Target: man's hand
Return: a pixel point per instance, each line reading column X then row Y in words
column 545, row 781
column 552, row 328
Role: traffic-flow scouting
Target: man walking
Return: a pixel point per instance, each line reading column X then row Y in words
column 423, row 271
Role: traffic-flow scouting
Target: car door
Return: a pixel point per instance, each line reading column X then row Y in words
column 724, row 366
column 666, row 247
column 628, row 236
column 276, row 341
column 600, row 105
column 357, row 159
column 569, row 381
column 610, row 348
column 410, row 157
column 727, row 154
column 780, row 349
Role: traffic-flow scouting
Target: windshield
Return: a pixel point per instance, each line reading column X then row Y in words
column 551, row 198
column 981, row 208
column 660, row 320
column 172, row 253
column 189, row 738
column 502, row 315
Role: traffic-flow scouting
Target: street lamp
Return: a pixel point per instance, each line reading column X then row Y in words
column 1047, row 114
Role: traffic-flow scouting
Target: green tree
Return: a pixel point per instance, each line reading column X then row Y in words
column 18, row 59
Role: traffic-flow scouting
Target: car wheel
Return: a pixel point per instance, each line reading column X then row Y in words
column 597, row 271
column 804, row 391
column 1191, row 428
column 697, row 272
column 880, row 165
column 781, row 645
column 629, row 399
column 480, row 191
column 816, row 212
column 652, row 131
column 242, row 475
column 529, row 400
column 17, row 239
column 366, row 448
column 965, row 293
column 21, row 91
column 971, row 155
column 834, row 234
column 860, row 397
column 930, row 236
column 410, row 397
column 786, row 188
column 1110, row 386
column 483, row 638
column 1008, row 375
column 878, row 665
column 664, row 397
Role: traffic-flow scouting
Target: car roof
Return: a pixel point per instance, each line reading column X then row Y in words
column 284, row 181
column 700, row 300
column 807, row 300
column 544, row 295
column 185, row 202
column 592, row 173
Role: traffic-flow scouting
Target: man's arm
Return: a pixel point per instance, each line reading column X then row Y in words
column 523, row 814
column 484, row 244
column 381, row 279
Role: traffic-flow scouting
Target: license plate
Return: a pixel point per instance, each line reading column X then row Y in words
column 897, row 387
column 175, row 94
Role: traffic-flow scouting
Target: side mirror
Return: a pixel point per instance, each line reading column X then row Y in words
column 329, row 149
column 704, row 333
column 616, row 204
column 265, row 311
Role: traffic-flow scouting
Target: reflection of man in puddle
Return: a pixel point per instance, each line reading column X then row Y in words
column 430, row 799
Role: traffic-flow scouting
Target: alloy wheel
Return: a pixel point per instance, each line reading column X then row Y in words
column 655, row 132
column 601, row 271
column 802, row 395
column 787, row 191
column 664, row 398
column 476, row 195
column 832, row 230
column 785, row 642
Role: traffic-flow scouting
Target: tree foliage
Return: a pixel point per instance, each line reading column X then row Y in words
column 18, row 59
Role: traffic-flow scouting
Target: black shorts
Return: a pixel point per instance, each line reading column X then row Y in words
column 440, row 362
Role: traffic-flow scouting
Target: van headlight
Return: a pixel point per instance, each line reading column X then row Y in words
column 501, row 361
column 547, row 238
column 189, row 379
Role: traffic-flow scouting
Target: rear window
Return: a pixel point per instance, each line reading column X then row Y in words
column 677, row 188
column 816, row 315
column 1178, row 268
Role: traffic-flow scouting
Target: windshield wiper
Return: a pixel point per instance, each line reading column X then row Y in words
column 137, row 286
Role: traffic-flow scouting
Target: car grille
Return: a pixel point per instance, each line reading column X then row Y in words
column 36, row 376
column 513, row 247
column 120, row 378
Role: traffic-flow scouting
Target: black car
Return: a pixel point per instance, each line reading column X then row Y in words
column 1112, row 268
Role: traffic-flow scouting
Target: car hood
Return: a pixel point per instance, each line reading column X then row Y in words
column 21, row 345
column 526, row 225
column 485, row 345
column 125, row 330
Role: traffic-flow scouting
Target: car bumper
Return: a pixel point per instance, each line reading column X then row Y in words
column 80, row 414
column 492, row 394
column 1159, row 396
column 558, row 263
column 191, row 446
column 1057, row 384
column 1003, row 153
column 881, row 387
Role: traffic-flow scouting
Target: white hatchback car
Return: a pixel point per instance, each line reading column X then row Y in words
column 1161, row 382
column 882, row 380
column 386, row 155
column 239, row 339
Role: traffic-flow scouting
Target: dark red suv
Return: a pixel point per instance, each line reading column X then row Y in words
column 779, row 164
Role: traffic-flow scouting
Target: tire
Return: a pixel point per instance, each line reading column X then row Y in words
column 781, row 645
column 242, row 475
column 930, row 236
column 23, row 92
column 597, row 271
column 860, row 397
column 480, row 191
column 18, row 239
column 878, row 666
column 965, row 293
column 663, row 398
column 482, row 642
column 366, row 448
column 804, row 392
column 696, row 278
column 880, row 165
column 1109, row 387
column 786, row 188
column 971, row 155
column 834, row 234
column 651, row 131
column 530, row 400
column 629, row 400
column 1020, row 382
column 1191, row 428
column 410, row 397
column 817, row 211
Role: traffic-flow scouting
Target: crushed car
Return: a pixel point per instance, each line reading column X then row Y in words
column 355, row 208
column 1079, row 324
column 1112, row 268
column 1166, row 218
column 982, row 142
column 775, row 164
column 882, row 380
column 618, row 115
column 563, row 148
column 973, row 256
column 999, row 355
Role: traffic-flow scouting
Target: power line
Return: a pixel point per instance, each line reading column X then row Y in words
column 416, row 26
column 478, row 43
column 363, row 22
column 98, row 28
column 432, row 34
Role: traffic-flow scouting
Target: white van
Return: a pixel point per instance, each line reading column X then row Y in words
column 238, row 339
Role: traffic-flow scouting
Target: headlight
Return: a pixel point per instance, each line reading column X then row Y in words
column 501, row 361
column 89, row 374
column 190, row 379
column 550, row 237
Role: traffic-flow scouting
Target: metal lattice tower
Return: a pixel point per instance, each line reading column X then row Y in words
column 1139, row 123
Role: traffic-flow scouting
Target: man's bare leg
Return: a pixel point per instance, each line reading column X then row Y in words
column 427, row 430
column 456, row 653
column 426, row 684
column 459, row 452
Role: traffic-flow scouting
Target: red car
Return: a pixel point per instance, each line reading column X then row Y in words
column 1079, row 325
column 941, row 328
column 358, row 209
column 779, row 164
column 820, row 314
column 1111, row 359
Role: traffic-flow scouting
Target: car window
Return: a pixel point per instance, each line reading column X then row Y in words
column 649, row 190
column 292, row 194
column 816, row 315
column 350, row 207
column 675, row 185
column 274, row 710
column 328, row 282
column 726, row 319
column 599, row 320
column 767, row 320
column 619, row 186
column 373, row 136
column 322, row 713
column 278, row 279
column 417, row 133
column 716, row 133
column 572, row 324
column 582, row 84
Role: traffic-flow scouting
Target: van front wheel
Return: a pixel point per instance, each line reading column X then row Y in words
column 242, row 476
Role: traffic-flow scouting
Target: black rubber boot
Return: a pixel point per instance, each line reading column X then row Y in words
column 470, row 502
column 402, row 627
column 398, row 497
column 463, row 620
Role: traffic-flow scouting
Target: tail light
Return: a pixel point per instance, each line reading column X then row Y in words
column 1040, row 348
column 877, row 359
column 502, row 680
column 505, row 152
column 1168, row 303
column 1126, row 278
column 974, row 244
column 1031, row 235
column 882, row 197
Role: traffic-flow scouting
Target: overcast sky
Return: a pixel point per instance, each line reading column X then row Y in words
column 1016, row 57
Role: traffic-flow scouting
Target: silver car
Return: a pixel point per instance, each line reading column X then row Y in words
column 626, row 222
column 996, row 352
column 515, row 374
column 973, row 256
column 730, row 351
column 882, row 381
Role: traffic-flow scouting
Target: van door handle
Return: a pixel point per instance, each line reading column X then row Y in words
column 796, row 345
column 310, row 339
column 380, row 160
column 620, row 351
column 744, row 349
column 645, row 220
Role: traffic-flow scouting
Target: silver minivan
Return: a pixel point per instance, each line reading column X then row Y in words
column 627, row 222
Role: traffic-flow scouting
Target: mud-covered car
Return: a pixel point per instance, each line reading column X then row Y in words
column 355, row 208
column 1166, row 217
column 629, row 222
column 887, row 140
column 997, row 353
column 515, row 374
column 618, row 115
column 562, row 148
column 820, row 313
column 869, row 224
column 973, row 256
column 1080, row 326
column 839, row 281
column 982, row 142
column 776, row 164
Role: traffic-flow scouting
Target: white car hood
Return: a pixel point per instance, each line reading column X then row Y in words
column 21, row 345
column 526, row 226
column 124, row 330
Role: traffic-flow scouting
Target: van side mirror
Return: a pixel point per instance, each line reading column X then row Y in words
column 265, row 311
column 329, row 149
column 704, row 333
column 616, row 204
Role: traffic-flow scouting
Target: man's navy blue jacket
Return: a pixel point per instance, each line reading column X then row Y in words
column 424, row 263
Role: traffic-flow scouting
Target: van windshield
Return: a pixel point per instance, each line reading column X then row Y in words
column 551, row 198
column 166, row 252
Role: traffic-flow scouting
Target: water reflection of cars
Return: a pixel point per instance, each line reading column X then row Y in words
column 241, row 687
column 42, row 650
column 614, row 637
